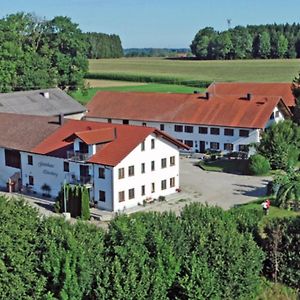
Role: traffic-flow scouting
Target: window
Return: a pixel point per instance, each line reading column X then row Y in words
column 12, row 158
column 162, row 126
column 163, row 184
column 101, row 173
column 172, row 182
column 178, row 128
column 66, row 166
column 272, row 116
column 243, row 148
column 277, row 114
column 203, row 130
column 130, row 193
column 189, row 143
column 163, row 163
column 143, row 192
column 244, row 132
column 108, row 120
column 172, row 161
column 131, row 171
column 181, row 141
column 125, row 122
column 121, row 173
column 228, row 131
column 215, row 131
column 30, row 159
column 189, row 129
column 121, row 196
column 30, row 180
column 152, row 143
column 152, row 165
column 142, row 168
column 228, row 147
column 143, row 146
column 102, row 196
column 144, row 124
column 152, row 187
column 214, row 145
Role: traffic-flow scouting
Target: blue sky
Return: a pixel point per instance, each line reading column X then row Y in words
column 158, row 23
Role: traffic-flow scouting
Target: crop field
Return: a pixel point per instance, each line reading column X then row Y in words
column 273, row 70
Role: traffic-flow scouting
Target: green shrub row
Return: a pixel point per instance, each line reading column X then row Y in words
column 205, row 253
column 149, row 79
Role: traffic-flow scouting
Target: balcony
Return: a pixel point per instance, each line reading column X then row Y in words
column 77, row 156
column 80, row 180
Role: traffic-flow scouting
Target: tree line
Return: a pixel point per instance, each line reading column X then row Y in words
column 252, row 41
column 205, row 253
column 156, row 52
column 37, row 53
column 101, row 45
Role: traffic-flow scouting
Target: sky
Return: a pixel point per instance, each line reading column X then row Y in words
column 158, row 23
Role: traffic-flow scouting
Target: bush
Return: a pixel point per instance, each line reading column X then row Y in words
column 282, row 244
column 259, row 165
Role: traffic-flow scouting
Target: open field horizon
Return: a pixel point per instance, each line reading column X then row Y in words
column 271, row 70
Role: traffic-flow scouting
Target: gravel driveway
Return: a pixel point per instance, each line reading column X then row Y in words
column 214, row 188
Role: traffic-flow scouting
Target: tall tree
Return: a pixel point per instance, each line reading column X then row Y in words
column 264, row 45
column 282, row 46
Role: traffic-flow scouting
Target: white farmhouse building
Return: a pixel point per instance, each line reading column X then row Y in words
column 121, row 165
column 228, row 117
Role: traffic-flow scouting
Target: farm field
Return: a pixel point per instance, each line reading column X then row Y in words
column 273, row 70
column 106, row 85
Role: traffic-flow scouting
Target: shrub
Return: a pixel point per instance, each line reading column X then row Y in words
column 282, row 244
column 259, row 165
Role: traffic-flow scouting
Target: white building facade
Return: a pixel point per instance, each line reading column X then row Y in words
column 203, row 137
column 148, row 171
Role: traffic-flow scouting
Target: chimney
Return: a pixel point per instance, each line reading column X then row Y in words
column 46, row 95
column 249, row 96
column 207, row 95
column 61, row 119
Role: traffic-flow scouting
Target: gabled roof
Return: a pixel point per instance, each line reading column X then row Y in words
column 223, row 110
column 94, row 136
column 126, row 138
column 24, row 132
column 264, row 89
column 46, row 102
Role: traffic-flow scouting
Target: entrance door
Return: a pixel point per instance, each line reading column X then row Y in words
column 202, row 146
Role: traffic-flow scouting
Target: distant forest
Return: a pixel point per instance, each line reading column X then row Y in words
column 156, row 52
column 101, row 45
column 252, row 41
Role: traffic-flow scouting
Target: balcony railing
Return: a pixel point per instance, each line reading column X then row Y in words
column 82, row 180
column 77, row 156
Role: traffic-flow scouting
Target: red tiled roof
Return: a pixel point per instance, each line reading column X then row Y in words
column 233, row 111
column 94, row 136
column 110, row 153
column 264, row 89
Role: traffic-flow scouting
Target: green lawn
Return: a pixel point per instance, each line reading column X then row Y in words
column 158, row 88
column 275, row 70
column 234, row 166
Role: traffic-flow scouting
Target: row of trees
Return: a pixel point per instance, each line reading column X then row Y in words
column 261, row 41
column 101, row 45
column 205, row 253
